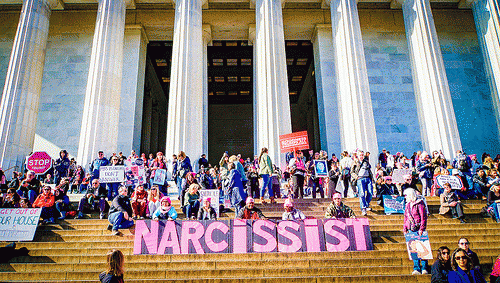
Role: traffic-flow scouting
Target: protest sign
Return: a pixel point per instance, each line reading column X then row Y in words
column 455, row 182
column 111, row 174
column 135, row 174
column 214, row 196
column 160, row 175
column 397, row 175
column 418, row 247
column 39, row 162
column 18, row 224
column 294, row 141
column 251, row 236
column 321, row 168
column 394, row 204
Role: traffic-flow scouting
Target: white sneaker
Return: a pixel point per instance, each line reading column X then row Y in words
column 363, row 212
column 369, row 209
column 425, row 272
column 415, row 272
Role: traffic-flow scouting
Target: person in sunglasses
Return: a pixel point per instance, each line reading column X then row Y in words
column 465, row 244
column 463, row 270
column 442, row 266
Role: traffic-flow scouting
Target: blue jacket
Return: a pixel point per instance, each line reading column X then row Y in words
column 240, row 169
column 61, row 166
column 171, row 213
column 184, row 167
column 96, row 164
column 460, row 277
column 427, row 170
column 234, row 188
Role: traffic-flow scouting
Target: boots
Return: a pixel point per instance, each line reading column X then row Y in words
column 272, row 200
column 262, row 200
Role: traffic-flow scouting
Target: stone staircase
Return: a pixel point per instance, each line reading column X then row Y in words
column 74, row 251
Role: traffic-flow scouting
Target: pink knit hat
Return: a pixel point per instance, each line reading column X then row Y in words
column 288, row 203
column 165, row 199
column 337, row 195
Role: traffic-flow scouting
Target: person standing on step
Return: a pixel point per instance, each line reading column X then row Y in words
column 298, row 170
column 120, row 213
column 233, row 188
column 265, row 171
column 463, row 269
column 61, row 166
column 465, row 244
column 345, row 165
column 415, row 220
column 362, row 173
column 337, row 209
column 442, row 266
column 114, row 271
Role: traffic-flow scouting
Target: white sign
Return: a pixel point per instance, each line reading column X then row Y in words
column 398, row 175
column 214, row 195
column 111, row 174
column 18, row 224
column 455, row 182
column 160, row 175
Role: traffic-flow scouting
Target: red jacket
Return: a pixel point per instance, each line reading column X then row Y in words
column 44, row 200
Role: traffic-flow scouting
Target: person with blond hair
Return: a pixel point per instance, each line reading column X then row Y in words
column 154, row 197
column 191, row 201
column 114, row 270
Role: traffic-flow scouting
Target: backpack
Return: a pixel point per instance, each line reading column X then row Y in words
column 462, row 163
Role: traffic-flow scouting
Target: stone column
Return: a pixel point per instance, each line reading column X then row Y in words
column 23, row 83
column 101, row 110
column 487, row 18
column 185, row 105
column 271, row 95
column 324, row 66
column 207, row 38
column 357, row 126
column 132, row 92
column 438, row 125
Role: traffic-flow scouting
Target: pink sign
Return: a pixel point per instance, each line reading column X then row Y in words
column 251, row 236
column 39, row 162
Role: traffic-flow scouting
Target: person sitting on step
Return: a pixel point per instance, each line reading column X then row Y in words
column 207, row 212
column 191, row 201
column 337, row 209
column 463, row 269
column 250, row 211
column 46, row 201
column 291, row 213
column 120, row 213
column 165, row 211
column 154, row 197
column 139, row 202
column 465, row 244
column 442, row 266
column 90, row 202
column 451, row 203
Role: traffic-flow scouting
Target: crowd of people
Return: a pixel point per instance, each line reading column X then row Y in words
column 243, row 182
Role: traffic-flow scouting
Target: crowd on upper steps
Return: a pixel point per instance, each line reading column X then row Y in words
column 241, row 183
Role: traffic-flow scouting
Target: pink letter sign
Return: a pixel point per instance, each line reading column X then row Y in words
column 247, row 236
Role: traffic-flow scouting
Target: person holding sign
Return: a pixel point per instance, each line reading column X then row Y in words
column 113, row 187
column 451, row 203
column 415, row 220
column 463, row 271
column 298, row 171
column 165, row 211
column 386, row 188
column 207, row 212
column 337, row 209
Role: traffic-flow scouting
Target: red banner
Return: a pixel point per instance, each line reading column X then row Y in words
column 294, row 141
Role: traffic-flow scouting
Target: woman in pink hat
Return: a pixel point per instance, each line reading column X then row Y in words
column 165, row 211
column 207, row 212
column 292, row 213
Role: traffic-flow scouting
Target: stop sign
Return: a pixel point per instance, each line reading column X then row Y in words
column 39, row 162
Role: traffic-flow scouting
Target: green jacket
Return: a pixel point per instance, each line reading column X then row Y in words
column 265, row 165
column 342, row 211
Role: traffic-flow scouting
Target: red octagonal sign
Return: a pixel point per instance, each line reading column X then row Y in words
column 39, row 162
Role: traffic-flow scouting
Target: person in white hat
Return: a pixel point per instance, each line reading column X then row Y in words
column 337, row 209
column 292, row 213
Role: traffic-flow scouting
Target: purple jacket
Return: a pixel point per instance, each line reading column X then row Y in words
column 415, row 211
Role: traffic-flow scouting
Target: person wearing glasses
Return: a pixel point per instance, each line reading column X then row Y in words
column 101, row 160
column 464, row 243
column 463, row 270
column 442, row 266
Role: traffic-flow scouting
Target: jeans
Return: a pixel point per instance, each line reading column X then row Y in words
column 417, row 263
column 178, row 182
column 266, row 183
column 317, row 187
column 426, row 186
column 365, row 192
column 191, row 209
column 116, row 219
column 112, row 190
